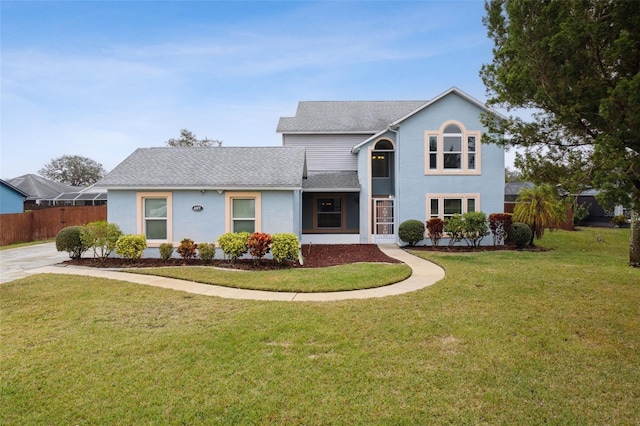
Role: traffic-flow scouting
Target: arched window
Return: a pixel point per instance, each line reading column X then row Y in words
column 453, row 150
column 381, row 159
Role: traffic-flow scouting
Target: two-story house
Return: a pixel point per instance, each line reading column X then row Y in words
column 347, row 172
column 373, row 165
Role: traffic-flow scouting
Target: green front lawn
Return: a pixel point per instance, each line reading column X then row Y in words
column 506, row 338
column 336, row 278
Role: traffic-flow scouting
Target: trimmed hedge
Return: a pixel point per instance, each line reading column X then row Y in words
column 411, row 231
column 69, row 239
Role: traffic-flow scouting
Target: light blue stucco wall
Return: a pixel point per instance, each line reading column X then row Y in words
column 412, row 185
column 280, row 213
column 10, row 200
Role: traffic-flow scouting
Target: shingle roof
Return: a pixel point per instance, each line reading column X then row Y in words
column 346, row 116
column 38, row 187
column 13, row 188
column 331, row 181
column 214, row 168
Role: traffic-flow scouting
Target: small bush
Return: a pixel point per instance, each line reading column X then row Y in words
column 454, row 226
column 234, row 245
column 101, row 236
column 581, row 212
column 131, row 246
column 259, row 244
column 69, row 239
column 520, row 234
column 285, row 246
column 207, row 251
column 411, row 231
column 187, row 249
column 475, row 228
column 166, row 251
column 435, row 230
column 499, row 224
column 619, row 220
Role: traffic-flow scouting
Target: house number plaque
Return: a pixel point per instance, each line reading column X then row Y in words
column 197, row 208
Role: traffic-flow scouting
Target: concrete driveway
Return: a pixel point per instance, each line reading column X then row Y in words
column 15, row 262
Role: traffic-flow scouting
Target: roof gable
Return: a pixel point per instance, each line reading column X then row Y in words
column 212, row 168
column 13, row 188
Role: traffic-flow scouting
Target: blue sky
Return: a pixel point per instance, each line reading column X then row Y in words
column 100, row 79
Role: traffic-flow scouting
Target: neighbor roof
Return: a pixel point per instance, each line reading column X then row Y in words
column 345, row 116
column 38, row 187
column 13, row 188
column 209, row 168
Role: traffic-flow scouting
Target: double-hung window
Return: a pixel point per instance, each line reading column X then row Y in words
column 444, row 206
column 452, row 150
column 154, row 217
column 243, row 212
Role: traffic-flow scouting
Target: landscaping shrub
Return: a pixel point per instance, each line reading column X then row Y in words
column 207, row 251
column 69, row 239
column 131, row 246
column 101, row 236
column 234, row 245
column 499, row 224
column 454, row 226
column 475, row 228
column 411, row 231
column 435, row 230
column 520, row 234
column 187, row 249
column 259, row 244
column 619, row 220
column 166, row 251
column 285, row 246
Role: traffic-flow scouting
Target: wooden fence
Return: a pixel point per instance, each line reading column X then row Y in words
column 45, row 224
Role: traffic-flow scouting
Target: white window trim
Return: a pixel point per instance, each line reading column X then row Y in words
column 229, row 197
column 140, row 218
column 440, row 170
column 441, row 197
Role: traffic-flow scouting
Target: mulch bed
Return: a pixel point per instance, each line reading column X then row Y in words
column 315, row 256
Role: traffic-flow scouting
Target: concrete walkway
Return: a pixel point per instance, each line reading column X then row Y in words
column 15, row 263
column 424, row 274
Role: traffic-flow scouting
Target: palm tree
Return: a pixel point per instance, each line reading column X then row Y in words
column 539, row 208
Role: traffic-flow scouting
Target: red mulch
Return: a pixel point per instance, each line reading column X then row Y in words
column 315, row 256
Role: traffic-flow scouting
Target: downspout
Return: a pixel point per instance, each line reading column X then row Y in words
column 396, row 189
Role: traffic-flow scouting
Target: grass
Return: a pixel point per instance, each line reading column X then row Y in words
column 336, row 278
column 506, row 338
column 31, row 243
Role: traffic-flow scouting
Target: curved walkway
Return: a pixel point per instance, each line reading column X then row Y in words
column 424, row 274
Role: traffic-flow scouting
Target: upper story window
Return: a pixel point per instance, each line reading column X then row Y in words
column 452, row 150
column 381, row 159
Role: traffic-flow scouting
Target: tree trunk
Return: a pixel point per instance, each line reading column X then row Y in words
column 634, row 239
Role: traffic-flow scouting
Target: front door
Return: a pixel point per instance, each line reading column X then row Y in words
column 383, row 221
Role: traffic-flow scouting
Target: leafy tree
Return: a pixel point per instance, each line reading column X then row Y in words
column 73, row 170
column 189, row 139
column 512, row 175
column 575, row 63
column 539, row 208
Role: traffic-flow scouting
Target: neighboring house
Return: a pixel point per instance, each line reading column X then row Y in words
column 40, row 191
column 11, row 198
column 348, row 172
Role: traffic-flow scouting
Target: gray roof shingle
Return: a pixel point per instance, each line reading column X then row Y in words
column 214, row 168
column 332, row 181
column 346, row 116
column 38, row 187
